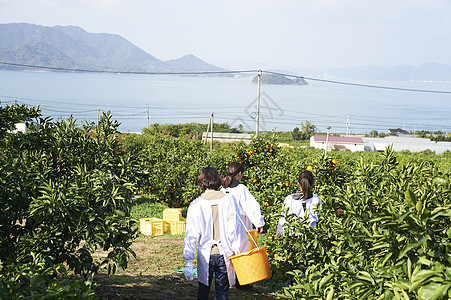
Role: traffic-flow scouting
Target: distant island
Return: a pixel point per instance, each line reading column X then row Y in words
column 279, row 79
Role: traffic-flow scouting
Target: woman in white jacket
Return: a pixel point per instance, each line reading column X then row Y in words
column 212, row 224
column 249, row 207
column 301, row 202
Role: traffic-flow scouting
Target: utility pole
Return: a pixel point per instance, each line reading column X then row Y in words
column 327, row 141
column 208, row 129
column 257, row 119
column 148, row 116
column 210, row 123
column 211, row 138
column 347, row 125
column 98, row 115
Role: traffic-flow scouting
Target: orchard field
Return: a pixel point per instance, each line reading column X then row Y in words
column 68, row 192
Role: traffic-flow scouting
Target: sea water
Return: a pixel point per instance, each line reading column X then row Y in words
column 138, row 101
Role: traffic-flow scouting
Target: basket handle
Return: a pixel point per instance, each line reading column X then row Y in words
column 247, row 231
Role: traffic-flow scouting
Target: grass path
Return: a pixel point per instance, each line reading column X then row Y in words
column 151, row 275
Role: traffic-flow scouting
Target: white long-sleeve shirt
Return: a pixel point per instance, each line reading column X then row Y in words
column 295, row 207
column 249, row 207
column 199, row 232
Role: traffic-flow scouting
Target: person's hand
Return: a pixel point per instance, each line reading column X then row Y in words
column 189, row 270
column 260, row 230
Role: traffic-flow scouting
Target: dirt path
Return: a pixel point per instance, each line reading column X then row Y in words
column 151, row 275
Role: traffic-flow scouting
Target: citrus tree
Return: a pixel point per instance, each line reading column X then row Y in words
column 384, row 233
column 174, row 165
column 65, row 192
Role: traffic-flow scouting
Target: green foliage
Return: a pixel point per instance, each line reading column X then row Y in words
column 307, row 130
column 175, row 164
column 373, row 133
column 269, row 174
column 65, row 193
column 11, row 114
column 384, row 232
column 440, row 138
column 384, row 229
column 35, row 280
column 147, row 207
column 186, row 130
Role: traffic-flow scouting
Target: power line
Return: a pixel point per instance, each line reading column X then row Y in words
column 176, row 113
column 226, row 72
column 360, row 84
column 68, row 103
column 367, row 122
column 126, row 72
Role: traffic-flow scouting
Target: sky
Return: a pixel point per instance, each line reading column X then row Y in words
column 261, row 34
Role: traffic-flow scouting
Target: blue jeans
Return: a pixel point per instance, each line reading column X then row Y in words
column 217, row 267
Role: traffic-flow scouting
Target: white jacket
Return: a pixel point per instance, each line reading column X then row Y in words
column 249, row 207
column 199, row 232
column 296, row 207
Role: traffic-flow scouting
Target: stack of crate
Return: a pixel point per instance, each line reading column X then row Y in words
column 153, row 226
column 174, row 217
column 172, row 223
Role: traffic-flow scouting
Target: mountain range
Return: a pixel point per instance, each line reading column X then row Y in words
column 71, row 47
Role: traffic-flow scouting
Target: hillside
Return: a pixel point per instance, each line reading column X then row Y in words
column 72, row 47
column 279, row 79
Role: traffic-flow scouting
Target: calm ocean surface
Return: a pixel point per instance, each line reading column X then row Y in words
column 138, row 100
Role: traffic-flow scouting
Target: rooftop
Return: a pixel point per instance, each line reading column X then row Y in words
column 338, row 139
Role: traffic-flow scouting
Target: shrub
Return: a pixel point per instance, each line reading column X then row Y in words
column 66, row 192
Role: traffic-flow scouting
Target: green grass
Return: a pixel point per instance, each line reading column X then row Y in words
column 146, row 207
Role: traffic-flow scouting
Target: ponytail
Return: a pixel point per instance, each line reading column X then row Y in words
column 305, row 187
column 226, row 181
column 306, row 184
column 233, row 169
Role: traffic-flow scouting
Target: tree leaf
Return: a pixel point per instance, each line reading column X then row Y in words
column 433, row 291
column 410, row 198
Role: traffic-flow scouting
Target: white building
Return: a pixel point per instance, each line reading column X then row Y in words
column 20, row 127
column 227, row 136
column 413, row 144
column 337, row 143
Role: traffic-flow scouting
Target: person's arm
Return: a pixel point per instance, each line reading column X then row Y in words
column 251, row 208
column 313, row 211
column 280, row 224
column 238, row 236
column 282, row 221
column 190, row 242
column 191, row 234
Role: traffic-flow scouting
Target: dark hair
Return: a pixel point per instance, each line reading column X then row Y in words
column 306, row 182
column 234, row 169
column 209, row 179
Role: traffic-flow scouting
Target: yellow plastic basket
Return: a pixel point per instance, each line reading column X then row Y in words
column 177, row 226
column 154, row 226
column 251, row 266
column 172, row 214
